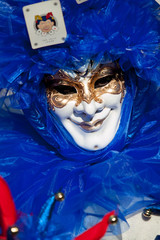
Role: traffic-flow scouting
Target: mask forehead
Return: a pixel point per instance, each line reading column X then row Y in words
column 90, row 69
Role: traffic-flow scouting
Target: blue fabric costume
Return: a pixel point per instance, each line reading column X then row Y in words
column 41, row 159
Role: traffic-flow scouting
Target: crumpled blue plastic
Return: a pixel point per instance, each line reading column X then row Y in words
column 127, row 179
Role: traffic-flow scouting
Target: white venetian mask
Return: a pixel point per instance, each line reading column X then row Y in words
column 88, row 104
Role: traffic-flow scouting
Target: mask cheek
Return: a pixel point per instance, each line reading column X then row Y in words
column 65, row 112
column 111, row 100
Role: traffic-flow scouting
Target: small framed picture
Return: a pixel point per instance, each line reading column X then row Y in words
column 45, row 23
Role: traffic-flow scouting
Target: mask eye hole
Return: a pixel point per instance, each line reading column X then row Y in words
column 102, row 82
column 64, row 89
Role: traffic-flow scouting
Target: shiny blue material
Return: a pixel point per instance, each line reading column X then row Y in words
column 45, row 214
column 42, row 159
column 154, row 207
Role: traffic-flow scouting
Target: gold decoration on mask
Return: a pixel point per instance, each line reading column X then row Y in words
column 90, row 126
column 61, row 88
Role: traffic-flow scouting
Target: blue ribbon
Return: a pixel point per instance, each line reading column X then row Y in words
column 45, row 214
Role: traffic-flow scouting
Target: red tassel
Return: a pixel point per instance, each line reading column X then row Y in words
column 98, row 230
column 8, row 215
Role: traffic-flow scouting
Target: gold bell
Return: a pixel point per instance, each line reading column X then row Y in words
column 12, row 233
column 147, row 213
column 14, row 230
column 113, row 219
column 59, row 196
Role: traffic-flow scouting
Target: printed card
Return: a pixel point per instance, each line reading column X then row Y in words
column 45, row 23
column 158, row 1
column 81, row 1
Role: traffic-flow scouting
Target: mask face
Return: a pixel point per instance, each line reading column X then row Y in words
column 88, row 103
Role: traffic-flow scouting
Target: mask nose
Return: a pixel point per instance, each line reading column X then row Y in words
column 87, row 111
column 88, row 108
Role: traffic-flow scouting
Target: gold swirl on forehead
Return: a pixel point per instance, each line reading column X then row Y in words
column 62, row 78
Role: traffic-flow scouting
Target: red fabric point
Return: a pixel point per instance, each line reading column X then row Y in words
column 8, row 215
column 98, row 230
